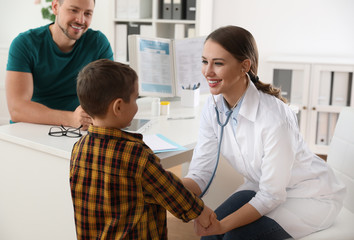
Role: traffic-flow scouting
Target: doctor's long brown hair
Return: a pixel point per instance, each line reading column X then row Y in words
column 241, row 44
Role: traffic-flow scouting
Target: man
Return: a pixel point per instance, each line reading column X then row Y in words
column 44, row 62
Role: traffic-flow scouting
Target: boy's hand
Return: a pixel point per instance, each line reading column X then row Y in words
column 213, row 229
column 206, row 217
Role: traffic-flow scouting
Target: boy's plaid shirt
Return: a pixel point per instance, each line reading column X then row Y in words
column 120, row 190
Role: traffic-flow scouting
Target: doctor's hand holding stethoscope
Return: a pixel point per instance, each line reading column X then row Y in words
column 266, row 154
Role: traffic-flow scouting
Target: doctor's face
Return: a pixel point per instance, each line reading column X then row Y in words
column 73, row 16
column 222, row 71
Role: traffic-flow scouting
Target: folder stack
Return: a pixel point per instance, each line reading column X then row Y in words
column 178, row 9
column 191, row 9
column 166, row 9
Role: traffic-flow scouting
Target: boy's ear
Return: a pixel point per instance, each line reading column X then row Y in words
column 117, row 106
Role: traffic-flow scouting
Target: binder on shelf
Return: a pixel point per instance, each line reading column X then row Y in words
column 121, row 46
column 133, row 28
column 166, row 9
column 324, row 94
column 340, row 88
column 178, row 9
column 191, row 9
column 175, row 63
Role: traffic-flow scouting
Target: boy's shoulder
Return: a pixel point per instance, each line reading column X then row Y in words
column 127, row 154
column 115, row 141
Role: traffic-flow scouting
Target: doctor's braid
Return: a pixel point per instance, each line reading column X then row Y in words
column 266, row 88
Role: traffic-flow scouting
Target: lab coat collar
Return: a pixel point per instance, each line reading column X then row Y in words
column 249, row 106
column 226, row 108
column 250, row 103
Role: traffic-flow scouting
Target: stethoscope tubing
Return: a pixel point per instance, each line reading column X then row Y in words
column 222, row 125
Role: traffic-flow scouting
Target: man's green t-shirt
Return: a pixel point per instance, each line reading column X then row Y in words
column 54, row 72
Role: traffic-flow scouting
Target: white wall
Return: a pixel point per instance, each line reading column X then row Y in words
column 293, row 27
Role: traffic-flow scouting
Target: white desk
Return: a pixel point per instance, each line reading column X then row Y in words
column 35, row 198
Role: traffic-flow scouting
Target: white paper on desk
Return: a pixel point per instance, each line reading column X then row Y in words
column 159, row 143
column 156, row 143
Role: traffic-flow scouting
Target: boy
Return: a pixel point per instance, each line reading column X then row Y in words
column 119, row 189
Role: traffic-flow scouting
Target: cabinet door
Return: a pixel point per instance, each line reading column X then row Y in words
column 293, row 79
column 331, row 90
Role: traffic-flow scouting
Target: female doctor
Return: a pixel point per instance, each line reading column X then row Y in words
column 288, row 191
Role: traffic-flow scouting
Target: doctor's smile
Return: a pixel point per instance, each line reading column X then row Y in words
column 213, row 83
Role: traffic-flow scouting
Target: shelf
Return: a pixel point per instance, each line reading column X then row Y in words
column 150, row 20
column 151, row 24
column 320, row 87
column 175, row 21
column 147, row 20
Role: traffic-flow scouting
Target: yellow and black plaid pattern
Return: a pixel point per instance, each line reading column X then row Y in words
column 120, row 190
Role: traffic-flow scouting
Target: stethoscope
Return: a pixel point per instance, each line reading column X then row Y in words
column 222, row 125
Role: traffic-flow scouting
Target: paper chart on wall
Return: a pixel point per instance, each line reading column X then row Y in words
column 188, row 58
column 157, row 78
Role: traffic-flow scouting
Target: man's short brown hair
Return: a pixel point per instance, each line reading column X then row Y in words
column 61, row 1
column 101, row 82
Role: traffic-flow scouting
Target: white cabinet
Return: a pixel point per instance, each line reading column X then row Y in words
column 151, row 18
column 319, row 88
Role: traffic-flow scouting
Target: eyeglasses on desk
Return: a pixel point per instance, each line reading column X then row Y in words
column 67, row 132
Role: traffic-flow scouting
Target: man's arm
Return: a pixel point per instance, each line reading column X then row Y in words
column 19, row 91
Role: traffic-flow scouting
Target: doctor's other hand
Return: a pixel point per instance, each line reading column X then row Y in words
column 205, row 217
column 213, row 229
column 81, row 118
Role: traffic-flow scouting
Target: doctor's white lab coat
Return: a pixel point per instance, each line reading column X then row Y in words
column 293, row 186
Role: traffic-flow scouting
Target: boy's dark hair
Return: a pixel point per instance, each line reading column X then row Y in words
column 102, row 81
